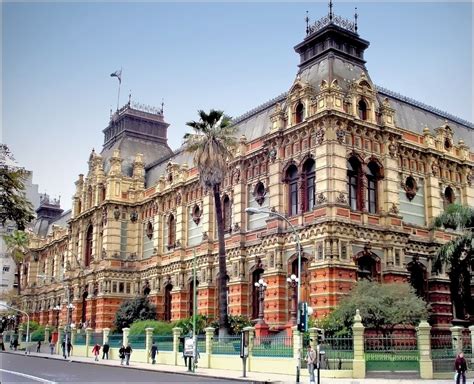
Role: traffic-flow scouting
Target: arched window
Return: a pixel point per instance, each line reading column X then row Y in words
column 256, row 275
column 88, row 252
column 366, row 268
column 418, row 276
column 167, row 303
column 292, row 178
column 362, row 110
column 373, row 173
column 84, row 307
column 299, row 113
column 449, row 197
column 309, row 184
column 227, row 213
column 171, row 232
column 353, row 183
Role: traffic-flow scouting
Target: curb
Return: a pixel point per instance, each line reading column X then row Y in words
column 237, row 379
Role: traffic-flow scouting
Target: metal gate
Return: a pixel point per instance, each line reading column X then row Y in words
column 391, row 353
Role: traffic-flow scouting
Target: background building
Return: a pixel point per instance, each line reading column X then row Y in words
column 359, row 171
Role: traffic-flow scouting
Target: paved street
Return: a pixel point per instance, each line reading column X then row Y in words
column 61, row 371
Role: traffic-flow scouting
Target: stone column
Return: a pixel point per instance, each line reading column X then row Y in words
column 426, row 364
column 148, row 342
column 125, row 331
column 251, row 331
column 471, row 329
column 88, row 340
column 209, row 337
column 358, row 364
column 297, row 347
column 46, row 334
column 456, row 335
column 176, row 334
column 105, row 335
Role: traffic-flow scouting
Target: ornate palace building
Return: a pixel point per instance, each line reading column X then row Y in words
column 358, row 170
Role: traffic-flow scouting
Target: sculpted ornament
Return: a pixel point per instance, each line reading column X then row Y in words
column 272, row 154
column 319, row 136
column 341, row 198
column 341, row 135
column 321, row 199
column 392, row 149
column 469, row 178
column 394, row 209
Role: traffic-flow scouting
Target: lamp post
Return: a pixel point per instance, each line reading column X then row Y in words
column 261, row 288
column 57, row 309
column 293, row 284
column 253, row 211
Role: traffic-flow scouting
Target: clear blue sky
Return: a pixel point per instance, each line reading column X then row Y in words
column 57, row 58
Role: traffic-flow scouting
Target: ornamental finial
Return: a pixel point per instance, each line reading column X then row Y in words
column 355, row 19
column 307, row 22
column 162, row 106
column 330, row 10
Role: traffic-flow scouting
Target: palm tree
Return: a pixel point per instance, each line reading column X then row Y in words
column 212, row 145
column 17, row 245
column 457, row 254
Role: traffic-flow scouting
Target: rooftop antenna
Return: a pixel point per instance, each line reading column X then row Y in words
column 307, row 23
column 129, row 97
column 330, row 10
column 162, row 106
column 355, row 18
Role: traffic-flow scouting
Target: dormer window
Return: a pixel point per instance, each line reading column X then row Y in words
column 299, row 113
column 362, row 110
column 447, row 144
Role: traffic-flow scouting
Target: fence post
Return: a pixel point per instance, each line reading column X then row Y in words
column 125, row 333
column 313, row 337
column 176, row 334
column 423, row 332
column 471, row 329
column 46, row 334
column 59, row 341
column 251, row 331
column 297, row 349
column 73, row 333
column 88, row 340
column 105, row 335
column 148, row 341
column 358, row 364
column 209, row 337
column 456, row 335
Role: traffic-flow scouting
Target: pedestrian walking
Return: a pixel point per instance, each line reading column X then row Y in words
column 69, row 348
column 105, row 351
column 51, row 347
column 2, row 343
column 63, row 346
column 128, row 352
column 311, row 360
column 122, row 354
column 15, row 344
column 96, row 352
column 153, row 352
column 460, row 366
column 38, row 347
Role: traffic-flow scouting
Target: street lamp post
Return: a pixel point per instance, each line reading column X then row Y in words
column 261, row 288
column 57, row 309
column 253, row 211
column 27, row 325
column 293, row 284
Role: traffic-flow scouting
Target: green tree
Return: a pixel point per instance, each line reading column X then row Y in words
column 457, row 255
column 212, row 145
column 382, row 307
column 13, row 204
column 133, row 310
column 17, row 245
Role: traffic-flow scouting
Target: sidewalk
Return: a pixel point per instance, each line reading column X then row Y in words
column 255, row 377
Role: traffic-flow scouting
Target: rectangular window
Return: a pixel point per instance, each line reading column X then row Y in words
column 127, row 288
column 310, row 190
column 353, row 191
column 294, row 198
column 114, row 287
column 372, row 196
column 121, row 287
column 320, row 252
column 397, row 257
column 6, row 268
column 343, row 250
column 123, row 239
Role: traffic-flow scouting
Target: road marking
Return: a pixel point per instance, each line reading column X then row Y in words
column 28, row 376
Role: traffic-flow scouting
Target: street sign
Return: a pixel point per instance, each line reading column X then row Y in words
column 188, row 347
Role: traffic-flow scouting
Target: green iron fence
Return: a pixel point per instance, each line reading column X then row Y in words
column 137, row 341
column 393, row 353
column 229, row 345
column 272, row 346
column 201, row 343
column 164, row 343
column 443, row 352
column 80, row 339
column 115, row 341
column 96, row 338
column 337, row 352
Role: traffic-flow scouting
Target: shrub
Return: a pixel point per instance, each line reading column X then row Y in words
column 38, row 333
column 202, row 322
column 132, row 310
column 238, row 323
column 159, row 327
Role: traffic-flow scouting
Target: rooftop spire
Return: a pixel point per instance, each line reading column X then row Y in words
column 355, row 19
column 307, row 22
column 330, row 10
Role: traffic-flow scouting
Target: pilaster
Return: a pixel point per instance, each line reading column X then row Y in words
column 105, row 335
column 176, row 334
column 456, row 335
column 148, row 342
column 209, row 338
column 424, row 346
column 125, row 333
column 358, row 364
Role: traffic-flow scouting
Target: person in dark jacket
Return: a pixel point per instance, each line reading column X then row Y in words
column 38, row 346
column 153, row 352
column 460, row 366
column 128, row 352
column 105, row 351
column 122, row 354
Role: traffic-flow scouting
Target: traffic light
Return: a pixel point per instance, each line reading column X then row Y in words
column 302, row 319
column 320, row 335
